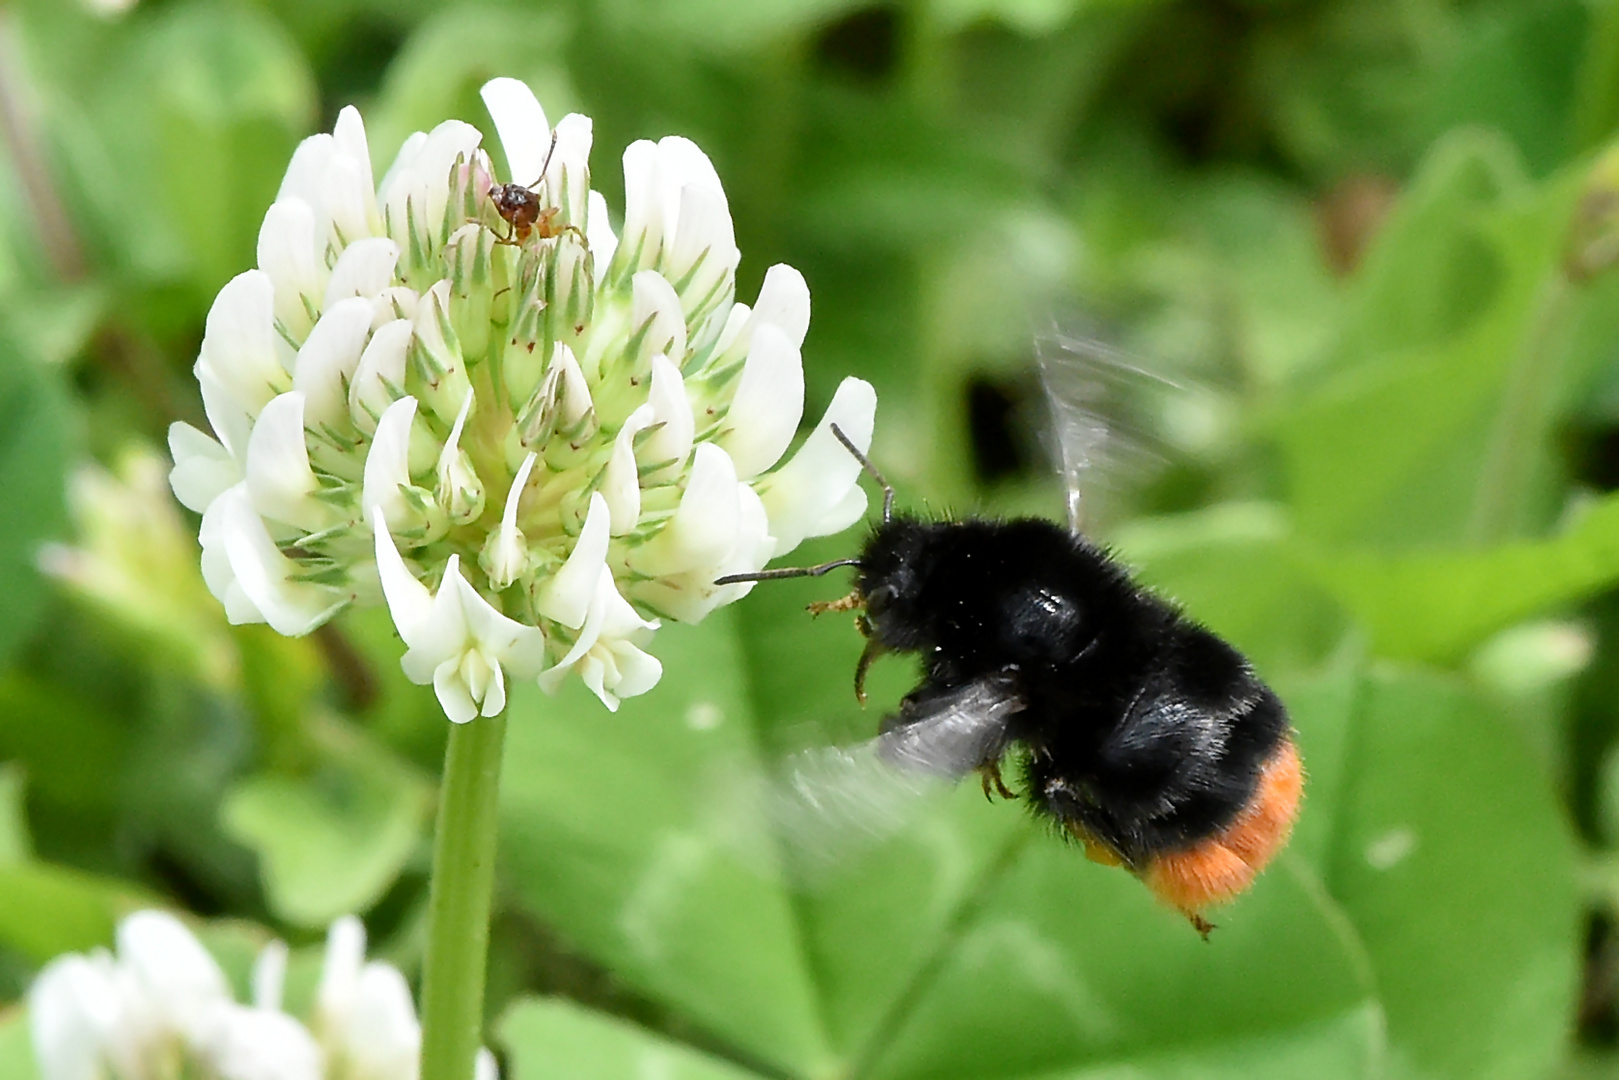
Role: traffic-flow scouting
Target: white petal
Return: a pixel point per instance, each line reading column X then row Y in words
column 383, row 1038
column 602, row 597
column 567, row 178
column 176, row 975
column 328, row 359
column 520, row 122
column 850, row 510
column 306, row 172
column 349, row 141
column 287, row 253
column 704, row 527
column 379, row 374
column 216, row 569
column 270, row 975
column 566, row 597
column 599, row 231
column 335, row 997
column 642, row 238
column 365, row 268
column 426, row 181
column 387, row 467
column 656, row 306
column 202, row 467
column 409, row 151
column 704, row 247
column 445, row 635
column 409, row 602
column 682, row 163
column 259, row 1044
column 454, row 697
column 72, row 1002
column 279, row 479
column 671, row 407
column 638, row 671
column 768, row 404
column 229, row 417
column 506, row 551
column 520, row 647
column 574, row 397
column 485, row 1067
column 784, row 301
column 238, row 344
column 621, row 485
column 291, row 607
column 803, row 492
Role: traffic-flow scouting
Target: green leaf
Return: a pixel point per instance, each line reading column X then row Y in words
column 1454, row 862
column 16, row 1047
column 438, row 72
column 1438, row 605
column 632, row 834
column 46, row 910
column 36, row 439
column 555, row 1039
column 14, row 841
column 207, row 106
column 332, row 842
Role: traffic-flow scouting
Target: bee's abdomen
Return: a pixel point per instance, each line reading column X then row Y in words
column 1225, row 864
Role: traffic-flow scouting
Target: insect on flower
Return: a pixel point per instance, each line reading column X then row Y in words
column 520, row 206
column 1144, row 736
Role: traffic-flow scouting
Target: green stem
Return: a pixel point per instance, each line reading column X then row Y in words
column 458, row 905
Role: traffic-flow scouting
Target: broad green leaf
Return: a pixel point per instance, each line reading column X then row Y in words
column 1438, row 605
column 16, row 1047
column 1455, row 865
column 207, row 105
column 636, row 835
column 14, row 841
column 36, row 438
column 439, row 71
column 554, row 1039
column 1229, row 567
column 331, row 842
column 46, row 910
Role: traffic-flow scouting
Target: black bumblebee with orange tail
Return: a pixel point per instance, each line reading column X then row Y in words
column 1146, row 737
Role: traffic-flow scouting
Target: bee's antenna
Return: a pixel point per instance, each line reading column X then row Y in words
column 786, row 572
column 871, row 471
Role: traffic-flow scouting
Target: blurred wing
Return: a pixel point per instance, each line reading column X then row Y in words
column 1107, row 415
column 832, row 803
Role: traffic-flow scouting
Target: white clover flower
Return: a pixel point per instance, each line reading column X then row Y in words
column 534, row 439
column 364, row 1017
column 161, row 1009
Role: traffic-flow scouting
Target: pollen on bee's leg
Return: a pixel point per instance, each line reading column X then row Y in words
column 842, row 603
column 1096, row 851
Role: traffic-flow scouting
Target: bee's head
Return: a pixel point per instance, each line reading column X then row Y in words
column 893, row 573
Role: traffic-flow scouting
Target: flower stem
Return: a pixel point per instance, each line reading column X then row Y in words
column 458, row 904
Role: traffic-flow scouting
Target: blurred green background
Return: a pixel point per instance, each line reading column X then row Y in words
column 1377, row 237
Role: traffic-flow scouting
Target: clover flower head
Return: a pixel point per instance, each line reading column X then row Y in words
column 161, row 1008
column 533, row 437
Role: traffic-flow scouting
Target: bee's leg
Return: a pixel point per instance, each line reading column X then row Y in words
column 990, row 773
column 1200, row 924
column 874, row 648
column 842, row 603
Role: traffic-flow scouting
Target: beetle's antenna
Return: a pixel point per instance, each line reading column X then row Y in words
column 786, row 572
column 871, row 471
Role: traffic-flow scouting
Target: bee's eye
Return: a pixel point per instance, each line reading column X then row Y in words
column 880, row 599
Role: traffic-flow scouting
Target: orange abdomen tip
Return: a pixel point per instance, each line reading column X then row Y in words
column 1224, row 865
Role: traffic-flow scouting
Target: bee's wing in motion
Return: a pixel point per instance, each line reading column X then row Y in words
column 1107, row 415
column 831, row 803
